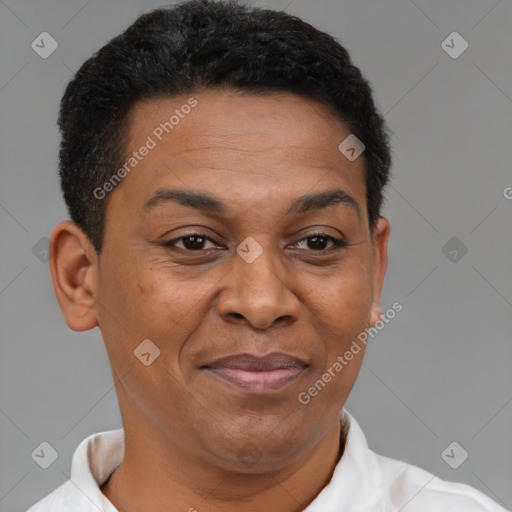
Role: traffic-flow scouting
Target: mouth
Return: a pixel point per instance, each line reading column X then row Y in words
column 270, row 373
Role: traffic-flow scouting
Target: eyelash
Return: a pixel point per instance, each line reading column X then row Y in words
column 337, row 243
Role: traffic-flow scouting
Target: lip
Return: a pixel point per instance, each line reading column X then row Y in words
column 269, row 373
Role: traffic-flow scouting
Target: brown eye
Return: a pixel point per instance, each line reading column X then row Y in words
column 194, row 242
column 191, row 242
column 319, row 242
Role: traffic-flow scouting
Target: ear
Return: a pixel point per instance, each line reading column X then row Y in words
column 74, row 270
column 380, row 239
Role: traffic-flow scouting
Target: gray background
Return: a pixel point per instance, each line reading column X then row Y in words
column 439, row 372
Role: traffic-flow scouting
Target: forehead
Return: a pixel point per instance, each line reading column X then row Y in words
column 239, row 121
column 264, row 147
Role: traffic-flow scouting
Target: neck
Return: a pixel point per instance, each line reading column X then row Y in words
column 149, row 479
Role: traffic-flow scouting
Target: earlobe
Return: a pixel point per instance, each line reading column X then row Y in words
column 73, row 267
column 380, row 263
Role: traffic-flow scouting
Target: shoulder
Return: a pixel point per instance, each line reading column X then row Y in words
column 414, row 489
column 384, row 484
column 96, row 457
column 63, row 498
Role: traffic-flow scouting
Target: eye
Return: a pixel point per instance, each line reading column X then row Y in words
column 318, row 242
column 190, row 242
column 196, row 242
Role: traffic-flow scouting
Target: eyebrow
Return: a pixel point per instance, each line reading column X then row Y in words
column 210, row 204
column 324, row 199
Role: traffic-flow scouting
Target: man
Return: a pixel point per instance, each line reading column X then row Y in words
column 224, row 169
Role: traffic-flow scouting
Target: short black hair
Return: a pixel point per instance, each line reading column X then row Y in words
column 202, row 44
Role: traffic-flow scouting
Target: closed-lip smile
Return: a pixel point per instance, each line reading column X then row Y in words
column 257, row 374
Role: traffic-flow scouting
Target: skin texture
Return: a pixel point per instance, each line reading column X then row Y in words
column 194, row 440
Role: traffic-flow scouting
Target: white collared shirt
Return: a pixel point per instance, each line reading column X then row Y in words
column 362, row 482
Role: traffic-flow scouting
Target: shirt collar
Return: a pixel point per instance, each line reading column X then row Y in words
column 99, row 455
column 353, row 484
column 95, row 459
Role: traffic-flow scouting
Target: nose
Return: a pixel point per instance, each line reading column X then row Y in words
column 257, row 294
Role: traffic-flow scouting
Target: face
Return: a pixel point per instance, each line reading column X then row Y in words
column 251, row 293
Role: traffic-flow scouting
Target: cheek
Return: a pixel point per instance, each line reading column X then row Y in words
column 343, row 299
column 172, row 309
column 340, row 312
column 147, row 301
